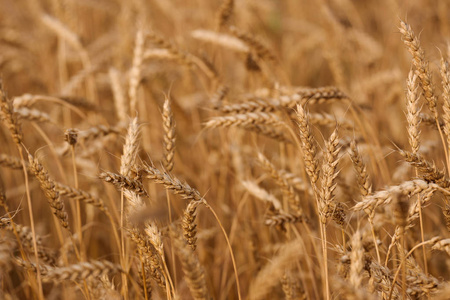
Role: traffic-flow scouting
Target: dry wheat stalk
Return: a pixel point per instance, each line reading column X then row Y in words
column 193, row 270
column 169, row 135
column 121, row 181
column 422, row 70
column 48, row 187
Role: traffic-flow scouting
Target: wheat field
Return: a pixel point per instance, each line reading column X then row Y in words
column 249, row 149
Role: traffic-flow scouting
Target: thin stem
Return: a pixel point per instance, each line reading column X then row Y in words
column 30, row 212
column 229, row 247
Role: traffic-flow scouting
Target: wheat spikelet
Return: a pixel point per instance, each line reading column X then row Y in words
column 25, row 235
column 262, row 194
column 428, row 170
column 188, row 223
column 431, row 121
column 280, row 219
column 224, row 13
column 221, row 39
column 33, row 115
column 135, row 72
column 324, row 119
column 169, row 136
column 263, row 282
column 441, row 244
column 124, row 182
column 13, row 162
column 269, row 131
column 329, row 179
column 151, row 259
column 9, row 116
column 421, row 65
column 364, row 184
column 412, row 105
column 308, row 146
column 48, row 187
column 99, row 131
column 80, row 195
column 118, row 93
column 385, row 197
column 260, row 50
column 244, row 120
column 445, row 75
column 299, row 97
column 81, row 271
column 288, row 190
column 172, row 184
column 193, row 270
column 357, row 260
column 130, row 148
column 154, row 236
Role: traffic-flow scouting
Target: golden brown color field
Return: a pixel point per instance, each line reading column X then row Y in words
column 251, row 149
